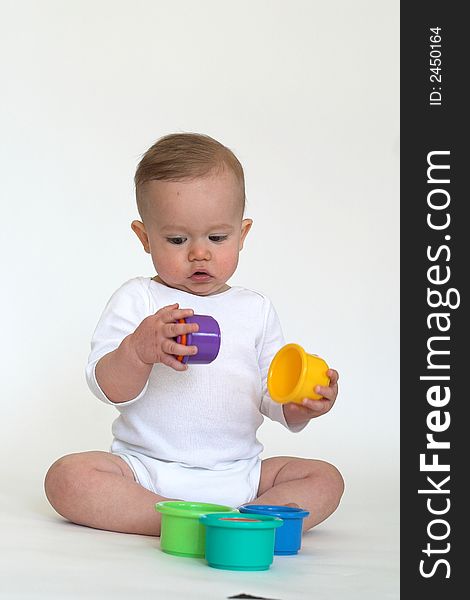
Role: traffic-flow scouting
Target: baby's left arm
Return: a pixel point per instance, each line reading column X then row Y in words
column 309, row 409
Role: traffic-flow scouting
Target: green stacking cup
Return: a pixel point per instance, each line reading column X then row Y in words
column 181, row 532
column 242, row 542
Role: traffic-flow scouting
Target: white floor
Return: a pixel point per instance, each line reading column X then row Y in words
column 353, row 555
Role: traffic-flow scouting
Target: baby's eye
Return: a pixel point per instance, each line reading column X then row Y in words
column 176, row 240
column 217, row 238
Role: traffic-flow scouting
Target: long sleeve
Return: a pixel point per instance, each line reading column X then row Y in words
column 125, row 310
column 272, row 340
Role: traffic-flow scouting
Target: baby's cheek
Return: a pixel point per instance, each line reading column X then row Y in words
column 228, row 261
column 168, row 265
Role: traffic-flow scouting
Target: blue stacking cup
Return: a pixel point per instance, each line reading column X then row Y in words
column 288, row 537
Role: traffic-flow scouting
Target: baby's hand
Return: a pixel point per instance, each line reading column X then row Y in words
column 153, row 340
column 309, row 409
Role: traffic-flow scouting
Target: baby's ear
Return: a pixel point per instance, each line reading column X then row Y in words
column 246, row 226
column 139, row 229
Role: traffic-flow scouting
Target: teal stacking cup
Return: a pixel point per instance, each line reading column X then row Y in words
column 240, row 542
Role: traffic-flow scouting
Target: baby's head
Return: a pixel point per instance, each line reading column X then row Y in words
column 190, row 192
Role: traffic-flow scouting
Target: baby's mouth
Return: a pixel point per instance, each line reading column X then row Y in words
column 200, row 276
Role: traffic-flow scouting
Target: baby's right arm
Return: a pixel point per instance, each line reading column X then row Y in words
column 123, row 373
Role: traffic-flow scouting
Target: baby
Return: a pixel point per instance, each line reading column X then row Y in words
column 189, row 432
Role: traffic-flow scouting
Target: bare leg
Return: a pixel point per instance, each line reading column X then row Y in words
column 314, row 485
column 98, row 489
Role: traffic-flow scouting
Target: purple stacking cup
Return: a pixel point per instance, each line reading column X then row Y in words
column 207, row 340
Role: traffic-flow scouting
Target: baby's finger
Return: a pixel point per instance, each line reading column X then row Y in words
column 300, row 410
column 172, row 312
column 179, row 313
column 333, row 375
column 326, row 392
column 172, row 347
column 172, row 330
column 171, row 361
column 166, row 310
column 317, row 406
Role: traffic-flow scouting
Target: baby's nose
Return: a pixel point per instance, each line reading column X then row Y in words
column 199, row 251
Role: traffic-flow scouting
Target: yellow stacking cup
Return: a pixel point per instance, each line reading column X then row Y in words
column 293, row 375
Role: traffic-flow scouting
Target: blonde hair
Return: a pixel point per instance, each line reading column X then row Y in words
column 182, row 156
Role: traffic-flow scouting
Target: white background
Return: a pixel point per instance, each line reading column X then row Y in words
column 306, row 95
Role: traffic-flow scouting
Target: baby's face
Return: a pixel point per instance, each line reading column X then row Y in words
column 194, row 231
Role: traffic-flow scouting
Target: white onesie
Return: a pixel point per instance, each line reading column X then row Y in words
column 192, row 435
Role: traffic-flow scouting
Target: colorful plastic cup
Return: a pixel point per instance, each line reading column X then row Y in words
column 181, row 532
column 240, row 543
column 289, row 537
column 207, row 340
column 293, row 375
